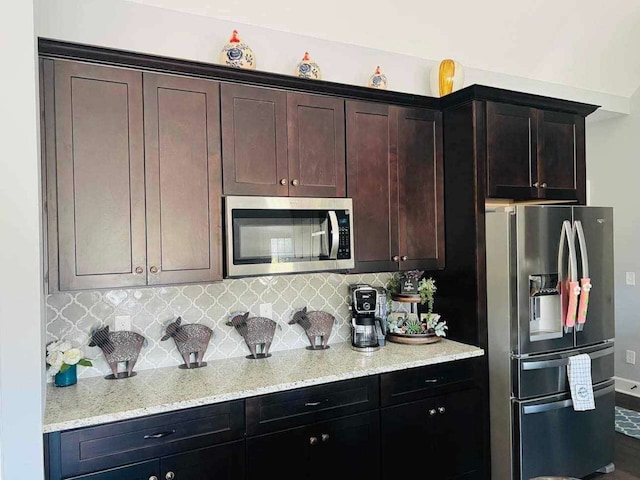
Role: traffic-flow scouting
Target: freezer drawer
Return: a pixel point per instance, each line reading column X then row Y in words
column 543, row 375
column 554, row 439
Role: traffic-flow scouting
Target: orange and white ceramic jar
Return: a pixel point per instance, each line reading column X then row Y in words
column 237, row 54
column 446, row 77
column 378, row 80
column 307, row 68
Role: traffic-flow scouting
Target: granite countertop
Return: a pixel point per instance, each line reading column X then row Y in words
column 93, row 401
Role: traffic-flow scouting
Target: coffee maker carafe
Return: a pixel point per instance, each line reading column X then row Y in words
column 364, row 336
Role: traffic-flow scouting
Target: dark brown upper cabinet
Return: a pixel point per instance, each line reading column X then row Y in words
column 95, row 170
column 130, row 201
column 534, row 153
column 182, row 153
column 395, row 177
column 279, row 143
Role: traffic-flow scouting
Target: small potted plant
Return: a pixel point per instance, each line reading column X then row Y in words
column 429, row 322
column 62, row 362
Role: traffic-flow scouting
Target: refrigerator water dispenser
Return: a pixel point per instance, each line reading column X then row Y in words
column 545, row 318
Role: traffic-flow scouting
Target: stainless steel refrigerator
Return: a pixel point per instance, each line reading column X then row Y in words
column 549, row 297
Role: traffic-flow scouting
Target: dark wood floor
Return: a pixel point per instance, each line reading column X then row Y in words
column 627, row 449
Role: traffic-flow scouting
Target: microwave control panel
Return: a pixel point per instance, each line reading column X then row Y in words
column 344, row 235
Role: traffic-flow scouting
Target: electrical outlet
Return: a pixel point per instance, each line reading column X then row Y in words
column 631, row 357
column 631, row 278
column 122, row 322
column 266, row 310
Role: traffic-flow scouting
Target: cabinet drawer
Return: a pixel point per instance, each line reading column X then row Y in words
column 128, row 441
column 307, row 405
column 418, row 383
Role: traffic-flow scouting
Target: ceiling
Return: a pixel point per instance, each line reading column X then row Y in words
column 586, row 44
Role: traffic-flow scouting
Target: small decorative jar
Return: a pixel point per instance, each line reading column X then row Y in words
column 307, row 68
column 237, row 54
column 66, row 378
column 378, row 80
column 446, row 77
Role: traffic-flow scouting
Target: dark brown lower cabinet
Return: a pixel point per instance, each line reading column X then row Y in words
column 222, row 462
column 377, row 427
column 346, row 447
column 443, row 434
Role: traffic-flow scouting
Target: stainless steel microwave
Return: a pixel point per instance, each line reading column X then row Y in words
column 275, row 235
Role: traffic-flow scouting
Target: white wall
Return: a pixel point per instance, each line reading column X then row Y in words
column 21, row 299
column 613, row 169
column 130, row 26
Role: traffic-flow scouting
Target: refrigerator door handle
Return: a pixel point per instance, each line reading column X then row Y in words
column 568, row 286
column 563, row 362
column 544, row 407
column 585, row 281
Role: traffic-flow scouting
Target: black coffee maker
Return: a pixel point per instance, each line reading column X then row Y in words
column 364, row 334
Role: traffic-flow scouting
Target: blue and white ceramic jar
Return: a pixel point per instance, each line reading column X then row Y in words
column 237, row 54
column 378, row 80
column 307, row 68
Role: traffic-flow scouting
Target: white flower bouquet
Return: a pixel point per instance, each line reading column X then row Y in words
column 61, row 355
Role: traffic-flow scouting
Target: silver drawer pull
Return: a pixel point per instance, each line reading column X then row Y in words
column 315, row 404
column 159, row 434
column 431, row 380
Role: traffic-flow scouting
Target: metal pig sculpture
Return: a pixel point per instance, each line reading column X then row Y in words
column 120, row 346
column 316, row 324
column 189, row 338
column 256, row 331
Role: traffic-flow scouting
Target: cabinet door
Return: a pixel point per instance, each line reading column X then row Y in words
column 420, row 189
column 265, row 455
column 319, row 451
column 138, row 471
column 446, row 430
column 372, row 139
column 254, row 140
column 338, row 441
column 221, row 462
column 561, row 161
column 512, row 151
column 183, row 191
column 99, row 175
column 459, row 434
column 316, row 146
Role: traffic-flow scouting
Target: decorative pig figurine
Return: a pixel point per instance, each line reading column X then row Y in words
column 315, row 324
column 190, row 338
column 120, row 346
column 255, row 331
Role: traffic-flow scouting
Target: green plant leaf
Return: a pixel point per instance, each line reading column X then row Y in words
column 64, row 367
column 85, row 363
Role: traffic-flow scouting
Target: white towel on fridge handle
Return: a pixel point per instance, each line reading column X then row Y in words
column 580, row 382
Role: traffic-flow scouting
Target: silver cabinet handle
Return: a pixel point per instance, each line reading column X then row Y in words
column 536, row 184
column 153, row 477
column 313, row 440
column 395, row 258
column 431, row 380
column 159, row 434
column 154, row 269
column 315, row 404
column 441, row 410
column 404, row 258
column 139, row 270
column 295, row 182
column 432, row 412
column 544, row 185
column 170, row 476
column 325, row 437
column 283, row 181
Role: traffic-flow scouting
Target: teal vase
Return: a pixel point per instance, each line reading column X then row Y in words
column 66, row 378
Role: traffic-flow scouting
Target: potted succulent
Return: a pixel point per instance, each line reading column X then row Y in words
column 429, row 322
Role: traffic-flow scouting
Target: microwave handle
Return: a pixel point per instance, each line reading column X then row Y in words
column 335, row 234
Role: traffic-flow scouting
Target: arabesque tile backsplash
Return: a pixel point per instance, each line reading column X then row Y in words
column 71, row 316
